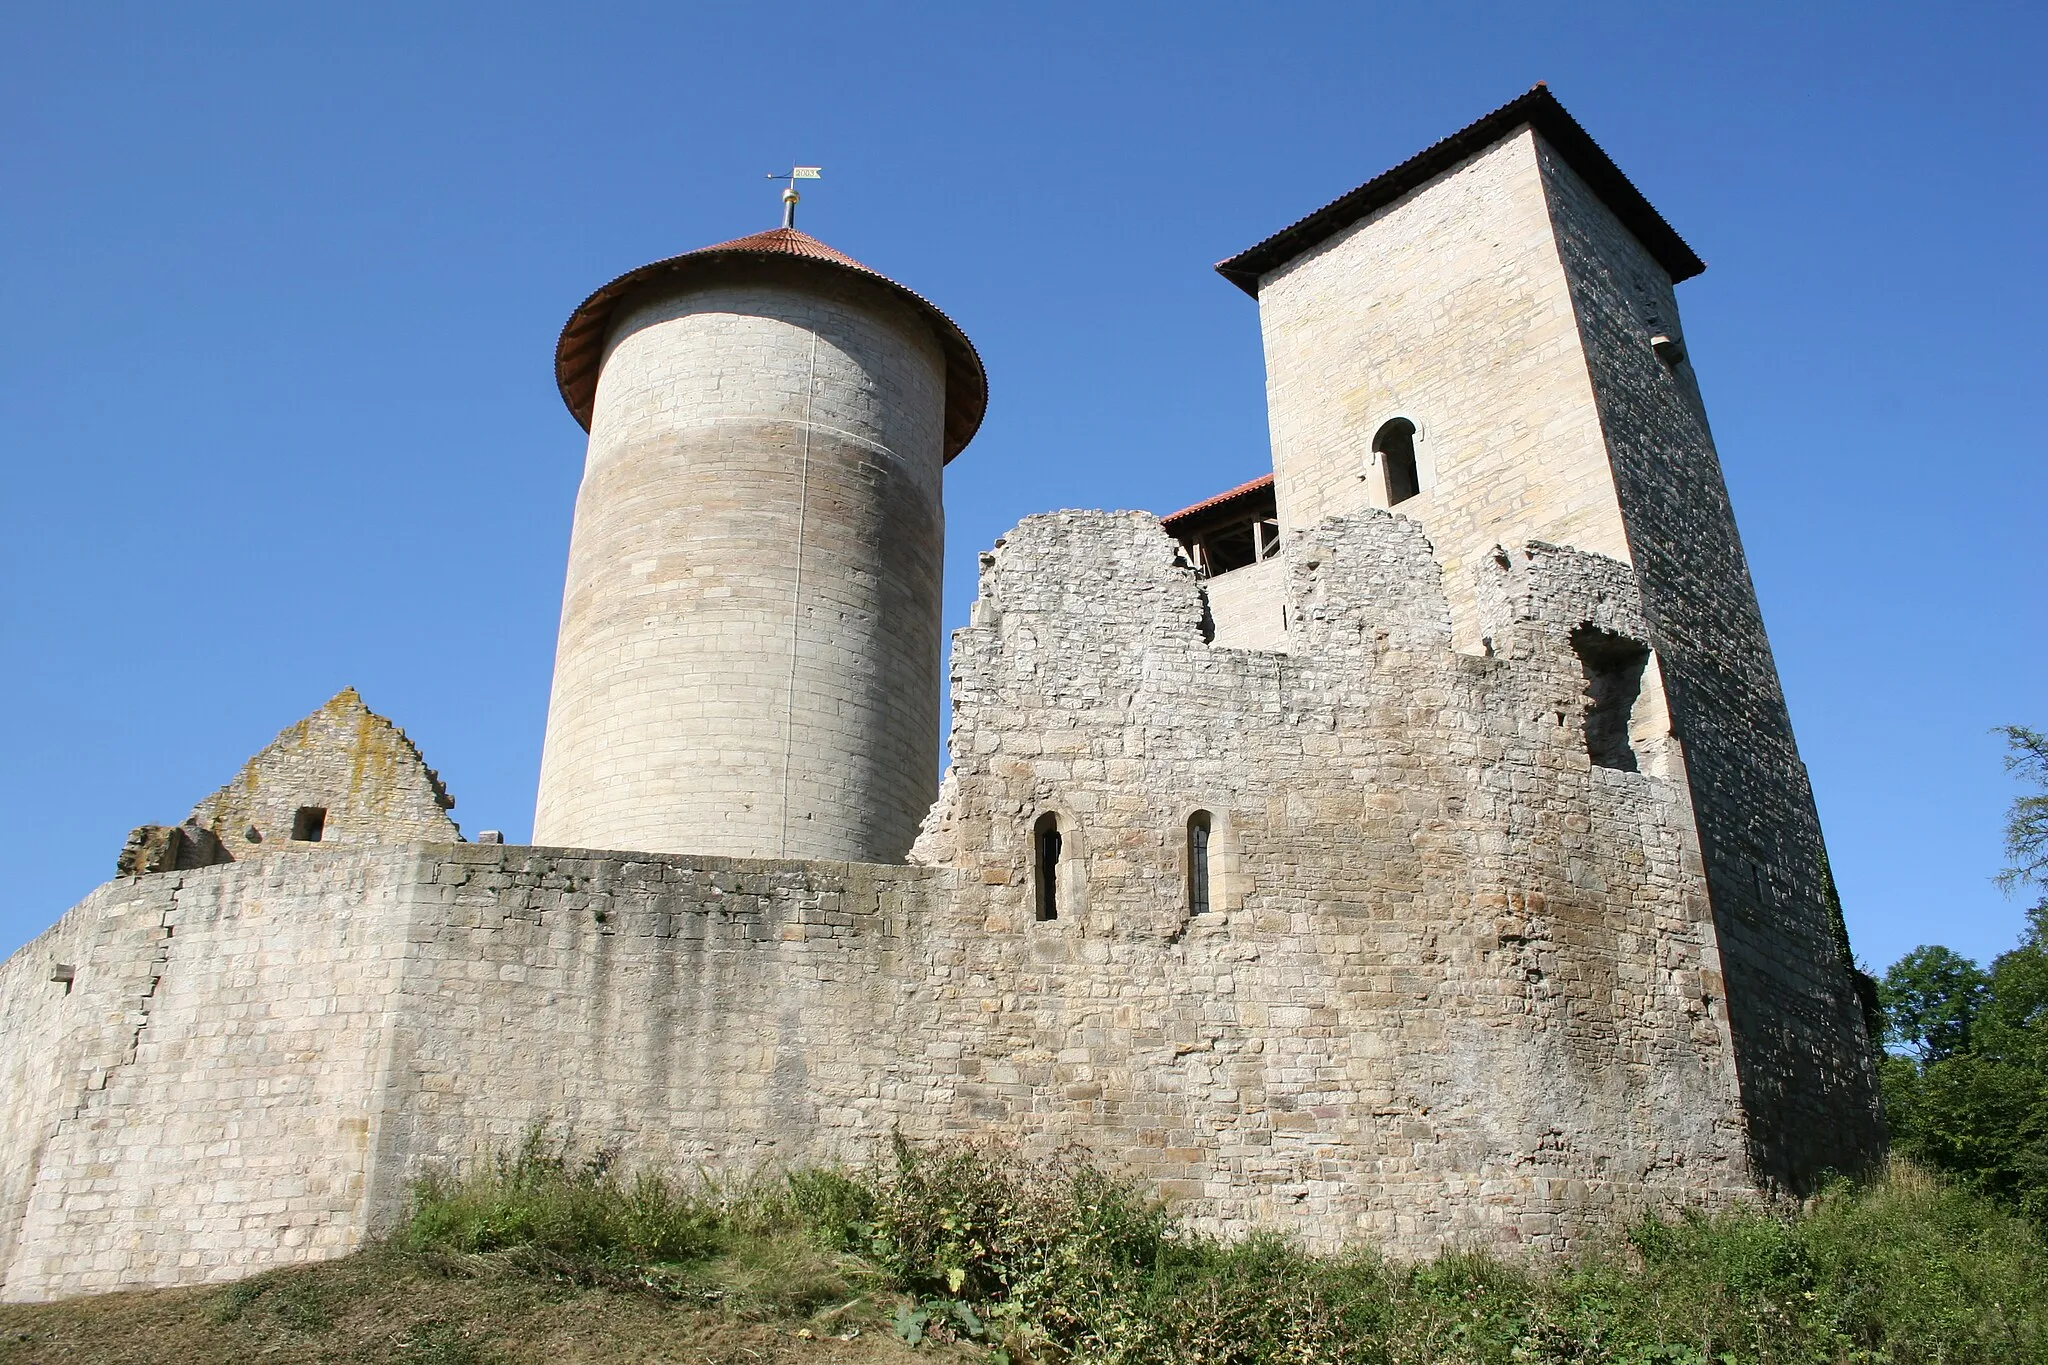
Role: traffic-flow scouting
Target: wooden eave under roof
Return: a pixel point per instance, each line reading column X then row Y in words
column 1537, row 109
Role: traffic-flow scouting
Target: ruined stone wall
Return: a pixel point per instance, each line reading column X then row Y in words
column 1458, row 985
column 354, row 766
column 58, row 1038
column 722, row 1014
column 1807, row 1067
column 1464, row 985
column 255, row 1059
column 1448, row 307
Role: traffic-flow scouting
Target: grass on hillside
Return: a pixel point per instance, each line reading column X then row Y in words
column 962, row 1252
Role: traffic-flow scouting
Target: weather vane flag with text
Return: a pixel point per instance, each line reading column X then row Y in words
column 789, row 194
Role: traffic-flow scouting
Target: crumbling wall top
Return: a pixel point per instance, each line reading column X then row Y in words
column 342, row 775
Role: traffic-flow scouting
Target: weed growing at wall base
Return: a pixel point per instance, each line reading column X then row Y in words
column 1057, row 1260
column 959, row 1253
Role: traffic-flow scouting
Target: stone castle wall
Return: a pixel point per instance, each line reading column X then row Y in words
column 1505, row 310
column 1463, row 984
column 1459, row 984
column 1248, row 606
column 199, row 1105
column 255, row 1059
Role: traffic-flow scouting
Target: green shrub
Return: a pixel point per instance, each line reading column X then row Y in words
column 540, row 1198
column 1054, row 1259
column 1901, row 1269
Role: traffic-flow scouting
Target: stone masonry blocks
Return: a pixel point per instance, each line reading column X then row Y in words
column 750, row 641
column 1460, row 986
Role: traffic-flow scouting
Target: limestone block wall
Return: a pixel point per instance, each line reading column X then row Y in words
column 1248, row 606
column 722, row 1014
column 201, row 1104
column 749, row 653
column 58, row 1038
column 1449, row 307
column 256, row 1059
column 1808, row 1067
column 1460, row 985
column 352, row 764
column 1465, row 985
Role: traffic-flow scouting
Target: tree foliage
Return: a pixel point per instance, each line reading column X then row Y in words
column 2026, row 826
column 1968, row 1091
column 1931, row 996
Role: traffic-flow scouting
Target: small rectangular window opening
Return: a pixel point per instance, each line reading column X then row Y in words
column 1198, row 863
column 1047, row 838
column 1613, row 665
column 309, row 824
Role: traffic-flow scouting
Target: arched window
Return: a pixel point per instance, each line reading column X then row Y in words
column 1045, row 849
column 1395, row 445
column 1198, row 863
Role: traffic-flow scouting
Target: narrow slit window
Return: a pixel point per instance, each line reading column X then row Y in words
column 309, row 824
column 1395, row 445
column 1613, row 665
column 1046, row 846
column 1198, row 863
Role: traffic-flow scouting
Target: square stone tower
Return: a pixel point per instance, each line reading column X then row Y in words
column 1486, row 339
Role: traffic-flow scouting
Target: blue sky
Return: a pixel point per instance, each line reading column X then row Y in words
column 282, row 285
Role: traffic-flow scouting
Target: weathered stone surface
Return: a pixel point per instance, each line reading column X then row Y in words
column 1505, row 311
column 749, row 654
column 1458, row 984
column 361, row 774
column 168, row 848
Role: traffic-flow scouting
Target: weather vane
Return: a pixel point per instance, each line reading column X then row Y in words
column 789, row 194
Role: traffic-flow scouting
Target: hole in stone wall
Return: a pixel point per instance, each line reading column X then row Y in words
column 1045, row 844
column 1613, row 666
column 1395, row 445
column 1198, row 863
column 309, row 824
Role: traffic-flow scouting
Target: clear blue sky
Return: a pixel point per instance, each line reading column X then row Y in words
column 282, row 283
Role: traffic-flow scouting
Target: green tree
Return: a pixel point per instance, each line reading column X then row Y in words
column 2026, row 826
column 1972, row 1096
column 1930, row 998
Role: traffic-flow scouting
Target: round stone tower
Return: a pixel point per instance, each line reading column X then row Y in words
column 749, row 654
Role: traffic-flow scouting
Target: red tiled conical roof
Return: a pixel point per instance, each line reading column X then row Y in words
column 580, row 352
column 788, row 242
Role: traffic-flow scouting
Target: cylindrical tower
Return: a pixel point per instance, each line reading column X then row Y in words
column 749, row 653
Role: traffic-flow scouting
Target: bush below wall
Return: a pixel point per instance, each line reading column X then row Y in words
column 969, row 1252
